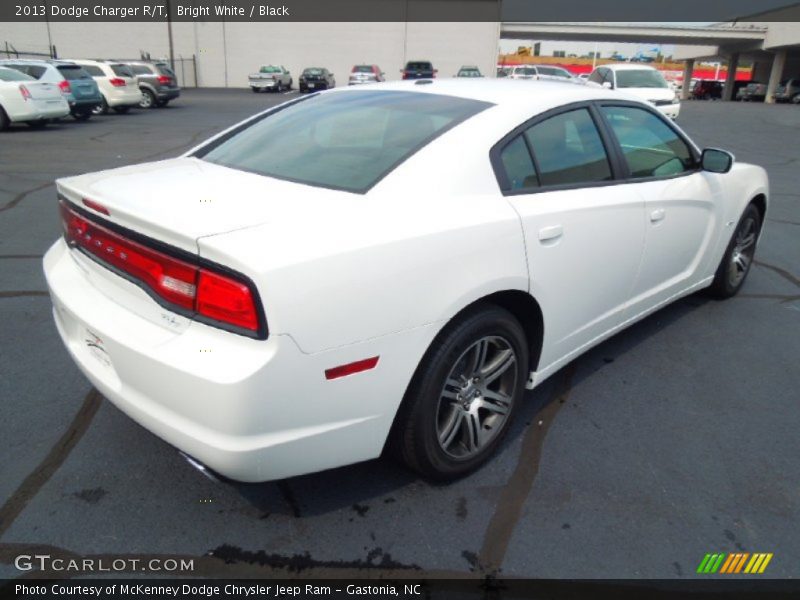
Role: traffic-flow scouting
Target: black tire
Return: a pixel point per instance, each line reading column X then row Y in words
column 431, row 404
column 121, row 110
column 289, row 87
column 102, row 108
column 255, row 90
column 4, row 120
column 725, row 284
column 40, row 124
column 84, row 115
column 148, row 99
column 162, row 103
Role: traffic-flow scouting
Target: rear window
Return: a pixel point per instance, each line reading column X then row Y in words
column 269, row 69
column 362, row 69
column 122, row 70
column 73, row 72
column 165, row 70
column 312, row 72
column 13, row 75
column 94, row 71
column 419, row 66
column 141, row 69
column 640, row 78
column 346, row 141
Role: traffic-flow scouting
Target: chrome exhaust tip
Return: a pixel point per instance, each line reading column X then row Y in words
column 201, row 467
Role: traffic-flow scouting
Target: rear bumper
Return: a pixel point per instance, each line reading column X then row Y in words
column 168, row 94
column 251, row 410
column 39, row 110
column 84, row 104
column 263, row 85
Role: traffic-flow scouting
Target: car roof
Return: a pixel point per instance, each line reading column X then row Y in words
column 525, row 96
column 628, row 67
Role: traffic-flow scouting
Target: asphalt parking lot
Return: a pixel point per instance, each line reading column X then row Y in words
column 676, row 438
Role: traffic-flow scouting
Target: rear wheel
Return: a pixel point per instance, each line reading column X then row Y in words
column 4, row 120
column 82, row 116
column 101, row 109
column 462, row 398
column 255, row 90
column 148, row 99
column 738, row 257
column 162, row 103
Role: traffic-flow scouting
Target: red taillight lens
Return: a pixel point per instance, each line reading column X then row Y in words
column 224, row 299
column 64, row 86
column 117, row 82
column 164, row 79
column 179, row 283
column 26, row 94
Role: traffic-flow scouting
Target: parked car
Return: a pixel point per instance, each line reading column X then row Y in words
column 469, row 71
column 117, row 85
column 365, row 74
column 157, row 82
column 739, row 87
column 418, row 69
column 359, row 286
column 76, row 85
column 645, row 82
column 316, row 78
column 542, row 72
column 502, row 72
column 788, row 90
column 754, row 91
column 270, row 78
column 25, row 100
column 707, row 89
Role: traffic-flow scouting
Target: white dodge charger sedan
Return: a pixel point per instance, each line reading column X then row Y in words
column 388, row 265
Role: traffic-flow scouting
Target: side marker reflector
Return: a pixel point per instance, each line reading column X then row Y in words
column 351, row 368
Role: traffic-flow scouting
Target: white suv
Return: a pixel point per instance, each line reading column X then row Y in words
column 646, row 83
column 117, row 85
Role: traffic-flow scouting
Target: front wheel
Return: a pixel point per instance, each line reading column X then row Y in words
column 738, row 257
column 463, row 395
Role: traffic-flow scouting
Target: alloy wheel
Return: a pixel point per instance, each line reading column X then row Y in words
column 743, row 251
column 476, row 398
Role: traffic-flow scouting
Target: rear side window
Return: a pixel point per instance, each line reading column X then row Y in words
column 73, row 73
column 13, row 75
column 122, row 70
column 518, row 165
column 94, row 71
column 165, row 70
column 651, row 147
column 346, row 141
column 568, row 149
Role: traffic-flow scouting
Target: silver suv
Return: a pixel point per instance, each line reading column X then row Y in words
column 157, row 82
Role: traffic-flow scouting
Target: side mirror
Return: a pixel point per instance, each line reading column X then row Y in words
column 607, row 85
column 715, row 160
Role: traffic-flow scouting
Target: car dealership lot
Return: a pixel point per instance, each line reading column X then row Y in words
column 676, row 438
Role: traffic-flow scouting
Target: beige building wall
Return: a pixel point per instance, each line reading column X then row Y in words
column 227, row 52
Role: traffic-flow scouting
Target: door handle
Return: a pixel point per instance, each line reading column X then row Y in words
column 550, row 233
column 657, row 215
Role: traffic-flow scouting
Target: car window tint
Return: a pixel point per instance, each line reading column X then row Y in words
column 345, row 141
column 141, row 69
column 122, row 70
column 518, row 165
column 569, row 150
column 94, row 71
column 13, row 75
column 73, row 73
column 651, row 147
column 165, row 70
column 596, row 77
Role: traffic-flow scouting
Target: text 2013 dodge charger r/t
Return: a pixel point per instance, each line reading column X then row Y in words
column 397, row 265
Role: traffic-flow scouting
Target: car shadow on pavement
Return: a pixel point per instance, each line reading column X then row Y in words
column 355, row 486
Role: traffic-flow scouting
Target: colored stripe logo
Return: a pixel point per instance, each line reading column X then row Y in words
column 736, row 562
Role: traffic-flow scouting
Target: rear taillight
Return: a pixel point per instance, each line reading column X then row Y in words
column 117, row 82
column 164, row 79
column 63, row 85
column 198, row 291
column 26, row 94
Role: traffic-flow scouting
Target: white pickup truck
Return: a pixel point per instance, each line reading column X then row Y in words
column 270, row 78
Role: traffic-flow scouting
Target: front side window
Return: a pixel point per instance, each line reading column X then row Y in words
column 568, row 149
column 122, row 71
column 346, row 141
column 651, row 147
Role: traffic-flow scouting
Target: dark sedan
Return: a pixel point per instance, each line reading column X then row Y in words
column 316, row 78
